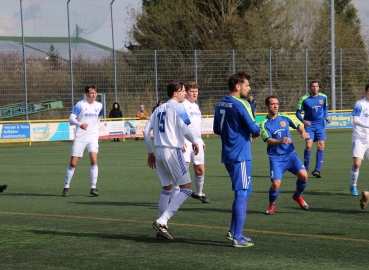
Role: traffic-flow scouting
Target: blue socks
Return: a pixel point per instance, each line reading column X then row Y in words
column 306, row 159
column 273, row 194
column 239, row 210
column 300, row 187
column 319, row 159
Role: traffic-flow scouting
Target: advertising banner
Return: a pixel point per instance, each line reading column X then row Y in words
column 111, row 129
column 339, row 120
column 14, row 132
column 49, row 132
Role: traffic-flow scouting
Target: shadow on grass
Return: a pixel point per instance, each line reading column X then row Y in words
column 135, row 238
column 30, row 194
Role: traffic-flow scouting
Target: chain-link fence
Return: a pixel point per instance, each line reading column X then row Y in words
column 142, row 76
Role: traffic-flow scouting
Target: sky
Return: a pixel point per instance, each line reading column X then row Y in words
column 38, row 14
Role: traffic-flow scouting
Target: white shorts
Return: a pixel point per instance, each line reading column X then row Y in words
column 79, row 147
column 360, row 149
column 171, row 167
column 190, row 156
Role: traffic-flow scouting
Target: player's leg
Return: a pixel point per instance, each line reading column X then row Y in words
column 320, row 137
column 358, row 151
column 240, row 174
column 297, row 168
column 277, row 168
column 308, row 146
column 165, row 182
column 93, row 149
column 175, row 165
column 76, row 153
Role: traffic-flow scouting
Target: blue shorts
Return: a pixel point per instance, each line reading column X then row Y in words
column 240, row 173
column 316, row 133
column 288, row 162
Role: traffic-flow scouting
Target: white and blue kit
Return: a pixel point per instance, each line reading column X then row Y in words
column 85, row 113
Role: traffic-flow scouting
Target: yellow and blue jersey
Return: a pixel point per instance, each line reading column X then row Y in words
column 315, row 109
column 278, row 129
column 234, row 122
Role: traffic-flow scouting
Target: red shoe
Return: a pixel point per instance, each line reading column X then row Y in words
column 301, row 202
column 271, row 210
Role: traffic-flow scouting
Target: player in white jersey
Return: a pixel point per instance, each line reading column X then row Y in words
column 85, row 116
column 198, row 161
column 360, row 143
column 169, row 125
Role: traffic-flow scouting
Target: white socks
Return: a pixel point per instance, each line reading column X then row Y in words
column 174, row 204
column 68, row 176
column 354, row 176
column 93, row 175
column 199, row 184
column 164, row 201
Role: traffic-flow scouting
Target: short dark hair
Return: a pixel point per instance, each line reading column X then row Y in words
column 269, row 97
column 314, row 82
column 174, row 86
column 87, row 87
column 191, row 84
column 237, row 78
column 366, row 87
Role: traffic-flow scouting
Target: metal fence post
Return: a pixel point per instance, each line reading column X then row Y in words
column 70, row 59
column 306, row 71
column 195, row 65
column 156, row 76
column 270, row 72
column 24, row 65
column 341, row 88
column 233, row 62
column 114, row 54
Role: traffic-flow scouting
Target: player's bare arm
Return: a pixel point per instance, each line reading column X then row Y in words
column 272, row 141
column 302, row 132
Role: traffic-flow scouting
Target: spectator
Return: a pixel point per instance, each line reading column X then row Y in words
column 116, row 113
column 252, row 102
column 157, row 105
column 142, row 113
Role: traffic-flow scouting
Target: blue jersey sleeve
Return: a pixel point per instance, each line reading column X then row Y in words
column 77, row 109
column 357, row 109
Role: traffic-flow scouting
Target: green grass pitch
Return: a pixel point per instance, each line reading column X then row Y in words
column 40, row 229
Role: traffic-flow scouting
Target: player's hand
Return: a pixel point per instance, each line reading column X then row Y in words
column 307, row 123
column 83, row 126
column 151, row 161
column 305, row 135
column 286, row 140
column 195, row 148
column 328, row 120
column 184, row 147
column 257, row 136
column 204, row 146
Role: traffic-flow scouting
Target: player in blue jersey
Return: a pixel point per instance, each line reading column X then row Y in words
column 360, row 143
column 315, row 106
column 169, row 123
column 282, row 156
column 234, row 122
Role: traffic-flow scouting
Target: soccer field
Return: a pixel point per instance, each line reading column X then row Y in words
column 40, row 229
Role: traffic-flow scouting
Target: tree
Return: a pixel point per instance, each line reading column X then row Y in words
column 242, row 24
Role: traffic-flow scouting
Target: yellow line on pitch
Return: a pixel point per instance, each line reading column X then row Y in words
column 189, row 225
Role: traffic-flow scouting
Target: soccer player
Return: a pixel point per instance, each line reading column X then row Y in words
column 360, row 143
column 315, row 106
column 198, row 161
column 3, row 187
column 169, row 125
column 282, row 156
column 234, row 122
column 86, row 117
